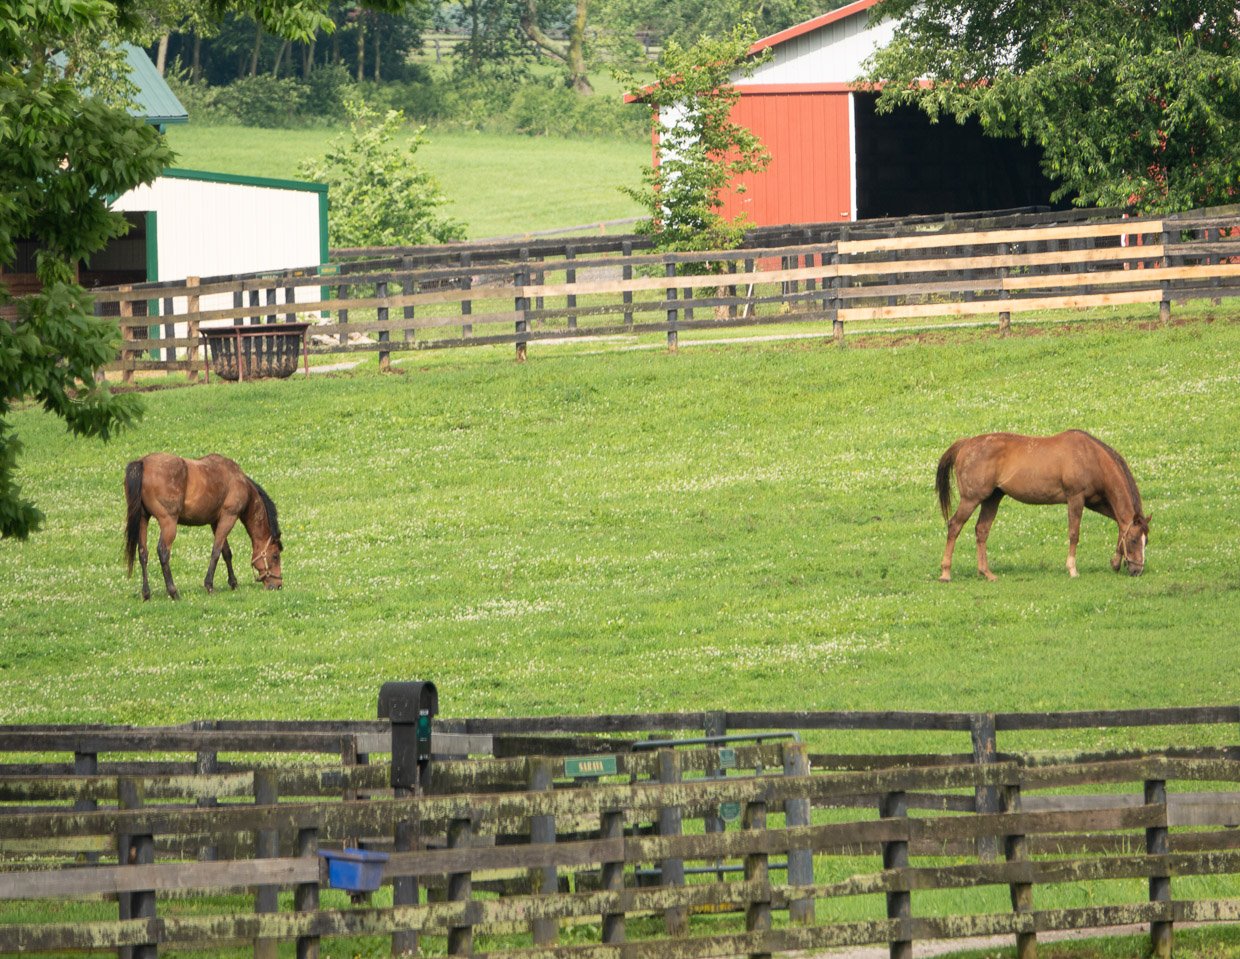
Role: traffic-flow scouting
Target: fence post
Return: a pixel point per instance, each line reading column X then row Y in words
column 467, row 306
column 193, row 303
column 570, row 276
column 1157, row 844
column 1016, row 849
column 86, row 764
column 1005, row 316
column 673, row 338
column 522, row 306
column 982, row 732
column 266, row 846
column 613, row 877
column 460, row 889
column 837, row 282
column 894, row 805
column 206, row 763
column 757, row 870
column 406, row 288
column 135, row 850
column 800, row 856
column 542, row 830
column 381, row 314
column 342, row 313
column 626, row 273
column 676, row 918
column 127, row 356
column 1164, row 305
column 306, row 894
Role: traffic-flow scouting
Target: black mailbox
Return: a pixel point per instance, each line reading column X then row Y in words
column 410, row 707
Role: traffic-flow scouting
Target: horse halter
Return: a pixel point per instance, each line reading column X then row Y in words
column 264, row 572
column 1123, row 541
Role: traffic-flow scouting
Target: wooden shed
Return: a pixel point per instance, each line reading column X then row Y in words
column 834, row 158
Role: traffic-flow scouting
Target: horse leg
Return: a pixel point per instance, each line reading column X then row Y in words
column 954, row 526
column 143, row 554
column 221, row 528
column 985, row 518
column 167, row 533
column 1105, row 509
column 227, row 554
column 1076, row 506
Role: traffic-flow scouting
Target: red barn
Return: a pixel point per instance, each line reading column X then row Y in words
column 833, row 158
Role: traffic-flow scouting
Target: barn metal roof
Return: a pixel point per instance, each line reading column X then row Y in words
column 155, row 102
column 817, row 23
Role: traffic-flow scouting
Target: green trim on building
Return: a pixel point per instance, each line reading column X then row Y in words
column 309, row 186
column 152, row 246
column 324, row 249
column 152, row 271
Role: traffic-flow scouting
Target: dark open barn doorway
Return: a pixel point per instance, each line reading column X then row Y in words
column 907, row 166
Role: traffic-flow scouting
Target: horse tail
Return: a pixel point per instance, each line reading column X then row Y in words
column 133, row 504
column 943, row 478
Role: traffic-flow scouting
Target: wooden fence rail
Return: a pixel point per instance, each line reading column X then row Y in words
column 862, row 274
column 586, row 821
column 496, row 844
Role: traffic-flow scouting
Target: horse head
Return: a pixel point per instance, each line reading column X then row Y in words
column 266, row 563
column 1130, row 550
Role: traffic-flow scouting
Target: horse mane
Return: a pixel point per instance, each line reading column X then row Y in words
column 273, row 520
column 1123, row 468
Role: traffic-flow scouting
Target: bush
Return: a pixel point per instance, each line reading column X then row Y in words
column 264, row 101
column 482, row 102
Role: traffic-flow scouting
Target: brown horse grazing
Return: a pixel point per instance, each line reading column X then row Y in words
column 211, row 491
column 1072, row 467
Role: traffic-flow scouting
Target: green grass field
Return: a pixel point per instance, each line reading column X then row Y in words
column 741, row 527
column 497, row 185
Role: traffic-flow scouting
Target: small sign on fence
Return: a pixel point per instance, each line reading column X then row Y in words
column 590, row 767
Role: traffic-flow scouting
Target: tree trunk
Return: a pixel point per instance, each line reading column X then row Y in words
column 361, row 49
column 530, row 27
column 275, row 70
column 195, row 69
column 307, row 60
column 577, row 50
column 161, row 55
column 378, row 38
column 258, row 45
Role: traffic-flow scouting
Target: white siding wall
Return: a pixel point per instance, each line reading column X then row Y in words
column 833, row 54
column 207, row 228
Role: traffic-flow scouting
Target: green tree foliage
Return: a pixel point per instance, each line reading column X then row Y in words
column 701, row 149
column 62, row 152
column 378, row 195
column 1134, row 104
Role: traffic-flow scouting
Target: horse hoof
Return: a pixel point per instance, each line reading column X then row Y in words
column 945, row 578
column 173, row 594
column 990, row 577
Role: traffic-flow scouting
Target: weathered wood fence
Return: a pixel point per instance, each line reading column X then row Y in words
column 689, row 847
column 864, row 273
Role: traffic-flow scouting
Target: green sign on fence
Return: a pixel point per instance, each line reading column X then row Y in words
column 590, row 766
column 729, row 811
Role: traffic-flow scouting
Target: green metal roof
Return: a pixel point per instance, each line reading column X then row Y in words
column 155, row 102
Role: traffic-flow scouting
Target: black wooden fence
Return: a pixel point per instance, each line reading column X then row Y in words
column 844, row 277
column 682, row 834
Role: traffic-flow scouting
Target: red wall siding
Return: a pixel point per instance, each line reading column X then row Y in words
column 808, row 179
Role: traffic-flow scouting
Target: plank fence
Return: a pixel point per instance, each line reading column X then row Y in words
column 610, row 837
column 839, row 276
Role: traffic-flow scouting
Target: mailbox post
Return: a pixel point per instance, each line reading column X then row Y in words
column 410, row 706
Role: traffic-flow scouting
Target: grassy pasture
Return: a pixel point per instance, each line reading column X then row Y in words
column 745, row 526
column 496, row 185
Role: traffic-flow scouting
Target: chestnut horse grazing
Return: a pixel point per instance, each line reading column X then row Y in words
column 211, row 492
column 1072, row 467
